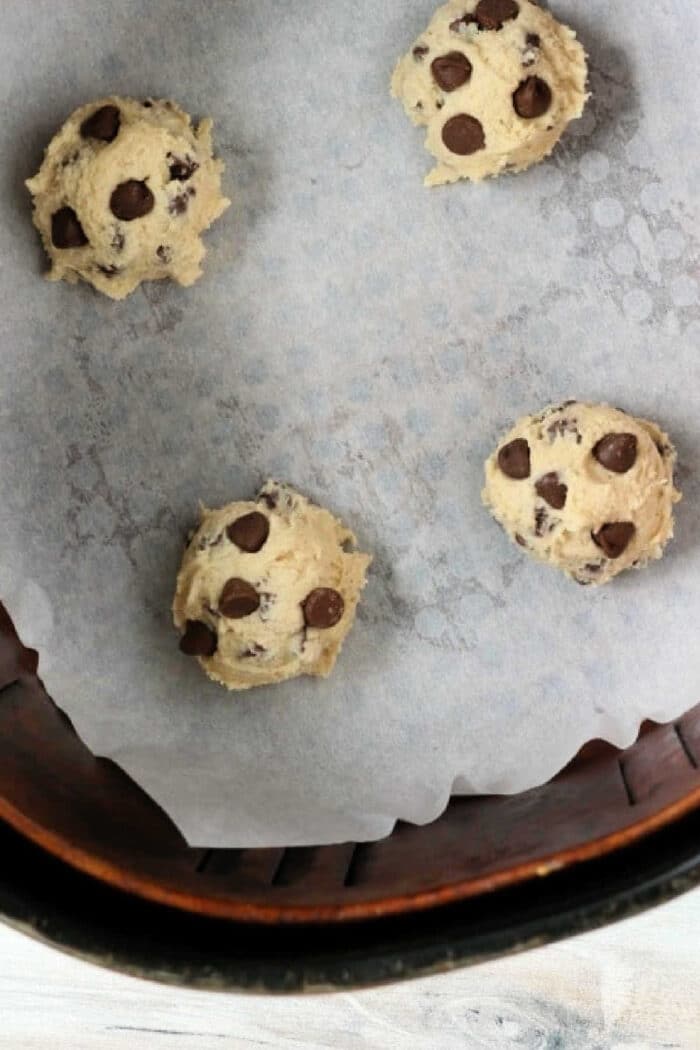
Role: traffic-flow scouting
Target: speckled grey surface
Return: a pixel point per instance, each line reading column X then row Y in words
column 367, row 340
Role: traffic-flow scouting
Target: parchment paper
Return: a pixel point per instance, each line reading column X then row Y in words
column 367, row 340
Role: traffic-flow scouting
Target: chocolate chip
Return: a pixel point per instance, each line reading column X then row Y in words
column 514, row 459
column 249, row 532
column 614, row 538
column 491, row 14
column 238, row 599
column 552, row 490
column 419, row 52
column 531, row 51
column 562, row 427
column 270, row 499
column 463, row 135
column 118, row 241
column 617, row 452
column 532, row 98
column 542, row 523
column 460, row 24
column 178, row 205
column 66, row 231
column 323, row 608
column 519, row 540
column 182, row 169
column 593, row 567
column 198, row 639
column 252, row 651
column 147, row 103
column 164, row 253
column 131, row 200
column 103, row 124
column 450, row 71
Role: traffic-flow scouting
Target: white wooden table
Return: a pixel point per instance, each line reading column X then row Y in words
column 633, row 986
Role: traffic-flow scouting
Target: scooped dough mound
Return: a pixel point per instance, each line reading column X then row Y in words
column 124, row 192
column 268, row 589
column 495, row 82
column 587, row 488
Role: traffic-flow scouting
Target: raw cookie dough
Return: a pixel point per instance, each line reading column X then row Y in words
column 268, row 589
column 585, row 487
column 124, row 192
column 495, row 82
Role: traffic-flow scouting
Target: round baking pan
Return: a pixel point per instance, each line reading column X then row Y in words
column 91, row 863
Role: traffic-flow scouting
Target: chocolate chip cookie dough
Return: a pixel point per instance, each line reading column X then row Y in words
column 585, row 487
column 495, row 82
column 124, row 192
column 268, row 589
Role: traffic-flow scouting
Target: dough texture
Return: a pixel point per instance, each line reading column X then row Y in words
column 268, row 589
column 587, row 488
column 495, row 82
column 123, row 194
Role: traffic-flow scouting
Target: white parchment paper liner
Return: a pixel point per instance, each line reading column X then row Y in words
column 367, row 340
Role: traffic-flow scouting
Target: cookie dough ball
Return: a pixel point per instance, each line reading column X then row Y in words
column 495, row 82
column 124, row 192
column 585, row 487
column 268, row 589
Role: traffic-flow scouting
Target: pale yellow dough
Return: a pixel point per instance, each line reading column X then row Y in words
column 561, row 441
column 81, row 172
column 307, row 548
column 500, row 59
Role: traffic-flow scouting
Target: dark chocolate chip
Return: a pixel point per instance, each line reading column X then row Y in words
column 552, row 490
column 249, row 532
column 238, row 599
column 270, row 499
column 103, row 124
column 131, row 200
column 617, row 452
column 252, row 651
column 614, row 538
column 66, row 231
column 532, row 40
column 561, row 427
column 460, row 24
column 532, row 98
column 491, row 14
column 179, row 204
column 450, row 71
column 181, row 168
column 419, row 52
column 164, row 253
column 147, row 103
column 514, row 459
column 463, row 135
column 323, row 608
column 198, row 639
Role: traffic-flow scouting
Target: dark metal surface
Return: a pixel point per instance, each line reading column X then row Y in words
column 53, row 902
